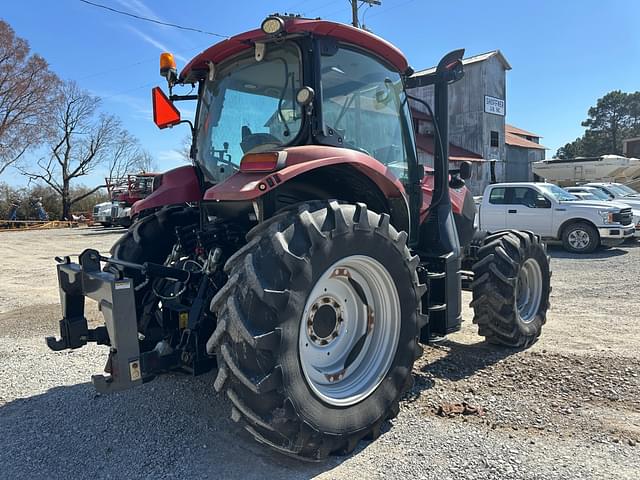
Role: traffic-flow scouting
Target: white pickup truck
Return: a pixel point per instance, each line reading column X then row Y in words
column 554, row 214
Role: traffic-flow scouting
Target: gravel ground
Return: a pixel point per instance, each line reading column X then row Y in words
column 569, row 407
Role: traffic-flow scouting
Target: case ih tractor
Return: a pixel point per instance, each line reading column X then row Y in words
column 306, row 254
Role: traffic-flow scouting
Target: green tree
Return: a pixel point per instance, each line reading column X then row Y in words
column 608, row 121
column 615, row 116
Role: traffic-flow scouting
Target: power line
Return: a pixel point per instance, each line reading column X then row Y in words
column 114, row 10
column 355, row 7
column 117, row 69
column 111, row 95
column 384, row 10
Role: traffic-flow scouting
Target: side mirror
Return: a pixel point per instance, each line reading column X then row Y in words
column 165, row 114
column 543, row 203
column 465, row 170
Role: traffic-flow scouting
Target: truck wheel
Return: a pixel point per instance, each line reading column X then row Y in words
column 511, row 288
column 150, row 239
column 580, row 238
column 318, row 328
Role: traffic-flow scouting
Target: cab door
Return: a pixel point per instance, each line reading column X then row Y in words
column 493, row 210
column 528, row 209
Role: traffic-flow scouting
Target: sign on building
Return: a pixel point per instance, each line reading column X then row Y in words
column 493, row 105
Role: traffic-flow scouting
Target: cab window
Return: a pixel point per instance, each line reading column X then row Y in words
column 497, row 196
column 527, row 197
column 364, row 103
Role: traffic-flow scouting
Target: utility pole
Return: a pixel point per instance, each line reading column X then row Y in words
column 354, row 10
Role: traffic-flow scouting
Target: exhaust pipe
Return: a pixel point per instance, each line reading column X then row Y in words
column 439, row 243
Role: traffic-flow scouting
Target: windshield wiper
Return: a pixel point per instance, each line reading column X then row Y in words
column 286, row 132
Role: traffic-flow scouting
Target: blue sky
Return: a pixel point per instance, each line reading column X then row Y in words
column 564, row 54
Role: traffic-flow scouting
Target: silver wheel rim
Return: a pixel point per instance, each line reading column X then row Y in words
column 529, row 290
column 578, row 239
column 349, row 330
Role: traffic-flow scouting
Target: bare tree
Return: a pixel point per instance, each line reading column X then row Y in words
column 27, row 93
column 126, row 155
column 145, row 162
column 185, row 149
column 83, row 142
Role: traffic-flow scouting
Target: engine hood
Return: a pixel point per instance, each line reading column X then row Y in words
column 601, row 205
column 633, row 202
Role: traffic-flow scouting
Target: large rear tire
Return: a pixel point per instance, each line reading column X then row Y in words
column 511, row 288
column 318, row 328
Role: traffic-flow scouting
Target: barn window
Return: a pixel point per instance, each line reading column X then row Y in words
column 494, row 139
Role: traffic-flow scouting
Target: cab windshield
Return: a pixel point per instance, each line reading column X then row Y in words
column 598, row 194
column 363, row 101
column 560, row 194
column 624, row 190
column 249, row 107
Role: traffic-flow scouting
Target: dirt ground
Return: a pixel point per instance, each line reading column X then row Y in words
column 568, row 407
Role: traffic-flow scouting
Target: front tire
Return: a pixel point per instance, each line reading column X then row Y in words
column 580, row 238
column 329, row 279
column 511, row 288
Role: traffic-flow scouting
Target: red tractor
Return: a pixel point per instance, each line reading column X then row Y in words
column 306, row 254
column 124, row 192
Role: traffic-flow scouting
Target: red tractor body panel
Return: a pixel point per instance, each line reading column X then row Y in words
column 244, row 41
column 299, row 160
column 179, row 185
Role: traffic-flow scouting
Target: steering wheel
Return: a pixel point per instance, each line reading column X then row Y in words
column 251, row 141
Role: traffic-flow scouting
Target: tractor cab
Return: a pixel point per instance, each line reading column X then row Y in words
column 297, row 83
column 260, row 103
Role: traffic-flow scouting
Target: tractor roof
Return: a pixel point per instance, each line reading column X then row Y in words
column 244, row 41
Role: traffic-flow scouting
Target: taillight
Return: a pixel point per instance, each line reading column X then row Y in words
column 262, row 162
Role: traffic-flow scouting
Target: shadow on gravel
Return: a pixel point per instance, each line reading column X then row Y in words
column 90, row 231
column 464, row 360
column 460, row 362
column 175, row 426
column 558, row 252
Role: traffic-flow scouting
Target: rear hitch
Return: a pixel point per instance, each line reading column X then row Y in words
column 114, row 292
column 115, row 296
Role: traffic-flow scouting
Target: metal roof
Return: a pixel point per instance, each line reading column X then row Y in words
column 518, row 141
column 518, row 131
column 474, row 59
column 424, row 142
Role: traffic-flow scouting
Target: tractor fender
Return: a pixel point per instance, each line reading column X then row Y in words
column 176, row 186
column 245, row 186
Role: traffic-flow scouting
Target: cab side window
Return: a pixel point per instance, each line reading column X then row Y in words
column 498, row 196
column 528, row 197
